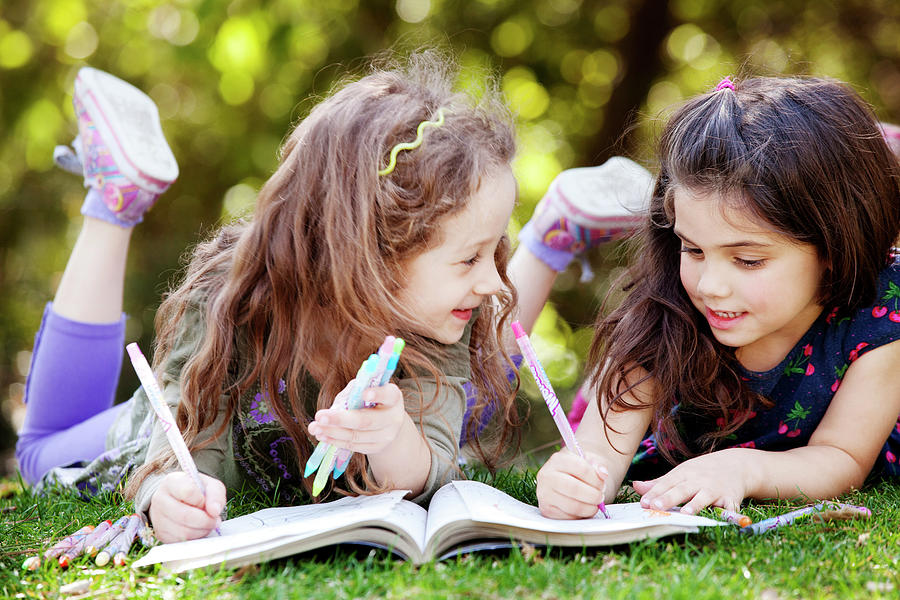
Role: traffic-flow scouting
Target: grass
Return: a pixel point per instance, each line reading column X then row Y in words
column 843, row 559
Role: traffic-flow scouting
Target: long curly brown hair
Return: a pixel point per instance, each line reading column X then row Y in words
column 308, row 285
column 803, row 155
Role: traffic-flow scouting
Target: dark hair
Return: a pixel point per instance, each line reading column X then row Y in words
column 274, row 287
column 804, row 156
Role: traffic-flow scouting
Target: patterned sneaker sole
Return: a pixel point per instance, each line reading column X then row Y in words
column 128, row 122
column 612, row 196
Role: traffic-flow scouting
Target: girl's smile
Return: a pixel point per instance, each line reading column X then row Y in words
column 448, row 281
column 757, row 289
column 723, row 319
column 463, row 315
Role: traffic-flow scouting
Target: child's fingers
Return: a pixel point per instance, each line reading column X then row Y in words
column 357, row 440
column 215, row 496
column 570, row 499
column 183, row 488
column 174, row 520
column 665, row 494
column 196, row 522
column 642, row 487
column 388, row 396
column 570, row 486
column 701, row 500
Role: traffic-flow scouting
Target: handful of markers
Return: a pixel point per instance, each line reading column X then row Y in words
column 107, row 541
column 374, row 372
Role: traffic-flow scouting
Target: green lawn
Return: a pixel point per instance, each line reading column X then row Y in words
column 810, row 560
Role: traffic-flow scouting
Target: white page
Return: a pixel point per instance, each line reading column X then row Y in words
column 446, row 506
column 488, row 505
column 272, row 523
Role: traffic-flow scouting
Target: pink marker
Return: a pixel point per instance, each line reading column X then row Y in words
column 164, row 415
column 543, row 383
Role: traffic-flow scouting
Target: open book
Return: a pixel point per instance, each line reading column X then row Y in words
column 463, row 516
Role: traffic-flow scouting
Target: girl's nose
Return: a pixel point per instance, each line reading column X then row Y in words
column 712, row 282
column 489, row 282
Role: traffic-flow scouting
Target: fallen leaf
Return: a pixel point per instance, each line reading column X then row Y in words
column 530, row 553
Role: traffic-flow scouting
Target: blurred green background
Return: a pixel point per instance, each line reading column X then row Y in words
column 587, row 79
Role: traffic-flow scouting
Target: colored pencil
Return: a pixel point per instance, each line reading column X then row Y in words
column 550, row 398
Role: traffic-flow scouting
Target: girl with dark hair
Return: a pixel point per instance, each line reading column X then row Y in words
column 755, row 354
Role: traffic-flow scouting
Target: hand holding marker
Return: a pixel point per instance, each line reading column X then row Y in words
column 154, row 394
column 375, row 371
column 388, row 355
column 543, row 383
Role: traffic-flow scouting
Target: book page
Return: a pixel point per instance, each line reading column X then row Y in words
column 446, row 507
column 262, row 529
column 488, row 505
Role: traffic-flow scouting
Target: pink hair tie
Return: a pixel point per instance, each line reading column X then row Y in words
column 725, row 84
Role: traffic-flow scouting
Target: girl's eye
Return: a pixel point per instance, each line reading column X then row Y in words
column 753, row 263
column 471, row 262
column 695, row 252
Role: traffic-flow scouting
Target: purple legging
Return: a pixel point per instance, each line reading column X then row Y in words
column 70, row 392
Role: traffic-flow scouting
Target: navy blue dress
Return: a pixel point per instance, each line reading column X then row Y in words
column 802, row 385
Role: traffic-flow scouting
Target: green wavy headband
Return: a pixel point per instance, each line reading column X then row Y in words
column 420, row 134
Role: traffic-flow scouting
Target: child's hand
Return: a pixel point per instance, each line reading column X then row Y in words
column 715, row 479
column 367, row 430
column 179, row 511
column 571, row 487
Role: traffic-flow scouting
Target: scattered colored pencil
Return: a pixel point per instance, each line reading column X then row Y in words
column 119, row 545
column 735, row 518
column 822, row 510
column 92, row 547
column 32, row 563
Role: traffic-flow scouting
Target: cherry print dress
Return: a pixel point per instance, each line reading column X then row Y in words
column 802, row 385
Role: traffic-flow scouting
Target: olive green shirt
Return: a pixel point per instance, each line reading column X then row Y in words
column 254, row 446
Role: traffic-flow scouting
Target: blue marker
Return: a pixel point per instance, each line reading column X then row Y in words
column 355, row 400
column 397, row 345
column 315, row 459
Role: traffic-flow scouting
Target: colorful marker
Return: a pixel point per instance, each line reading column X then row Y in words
column 146, row 535
column 389, row 355
column 83, row 544
column 69, row 555
column 375, row 371
column 354, row 400
column 95, row 535
column 32, row 563
column 67, row 542
column 91, row 547
column 543, row 383
column 315, row 459
column 154, row 394
column 805, row 513
column 735, row 518
column 136, row 523
column 119, row 545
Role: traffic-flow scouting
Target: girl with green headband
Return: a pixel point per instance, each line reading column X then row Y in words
column 386, row 215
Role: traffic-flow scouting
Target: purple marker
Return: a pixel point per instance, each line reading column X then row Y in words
column 543, row 383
